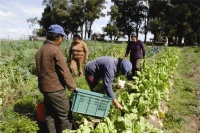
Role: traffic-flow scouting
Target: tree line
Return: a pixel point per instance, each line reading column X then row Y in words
column 172, row 18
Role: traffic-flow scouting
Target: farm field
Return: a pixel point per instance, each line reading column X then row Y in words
column 165, row 97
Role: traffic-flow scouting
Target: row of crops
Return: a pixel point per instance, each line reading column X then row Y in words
column 19, row 92
column 139, row 98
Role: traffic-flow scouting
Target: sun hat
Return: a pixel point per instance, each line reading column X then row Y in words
column 126, row 67
column 55, row 28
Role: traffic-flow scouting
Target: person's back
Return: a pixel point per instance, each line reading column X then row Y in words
column 106, row 68
column 47, row 74
column 53, row 76
column 104, row 64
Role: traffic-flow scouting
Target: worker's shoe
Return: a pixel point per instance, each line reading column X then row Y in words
column 80, row 74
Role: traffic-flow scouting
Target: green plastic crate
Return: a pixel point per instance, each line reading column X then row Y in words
column 90, row 103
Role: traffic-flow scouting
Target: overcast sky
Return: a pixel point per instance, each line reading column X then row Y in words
column 14, row 15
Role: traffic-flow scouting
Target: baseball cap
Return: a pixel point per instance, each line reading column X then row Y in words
column 55, row 28
column 126, row 67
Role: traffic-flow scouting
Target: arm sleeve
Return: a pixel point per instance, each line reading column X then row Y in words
column 63, row 71
column 85, row 50
column 143, row 49
column 127, row 50
column 108, row 80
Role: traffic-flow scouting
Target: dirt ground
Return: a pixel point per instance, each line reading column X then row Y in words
column 155, row 120
column 193, row 125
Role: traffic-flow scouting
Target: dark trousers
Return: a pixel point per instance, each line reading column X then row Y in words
column 92, row 81
column 57, row 111
column 135, row 66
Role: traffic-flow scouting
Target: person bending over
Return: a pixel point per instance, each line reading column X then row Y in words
column 107, row 68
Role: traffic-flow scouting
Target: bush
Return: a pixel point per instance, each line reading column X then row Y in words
column 197, row 50
column 19, row 124
column 25, row 106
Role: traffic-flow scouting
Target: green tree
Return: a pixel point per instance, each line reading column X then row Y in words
column 188, row 22
column 45, row 21
column 56, row 12
column 156, row 28
column 157, row 9
column 72, row 14
column 122, row 15
column 92, row 11
column 128, row 15
column 76, row 17
column 179, row 19
column 41, row 32
column 111, row 30
column 60, row 14
column 195, row 20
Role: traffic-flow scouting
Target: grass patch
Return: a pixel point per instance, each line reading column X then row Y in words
column 183, row 101
column 197, row 50
column 82, row 83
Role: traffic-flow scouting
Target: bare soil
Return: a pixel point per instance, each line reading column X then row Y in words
column 193, row 125
column 154, row 119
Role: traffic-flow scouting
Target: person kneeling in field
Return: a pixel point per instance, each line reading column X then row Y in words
column 53, row 77
column 107, row 68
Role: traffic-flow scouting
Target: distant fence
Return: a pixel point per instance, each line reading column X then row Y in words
column 36, row 38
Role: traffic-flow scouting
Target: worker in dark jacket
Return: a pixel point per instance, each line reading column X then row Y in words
column 53, row 77
column 137, row 52
column 106, row 68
